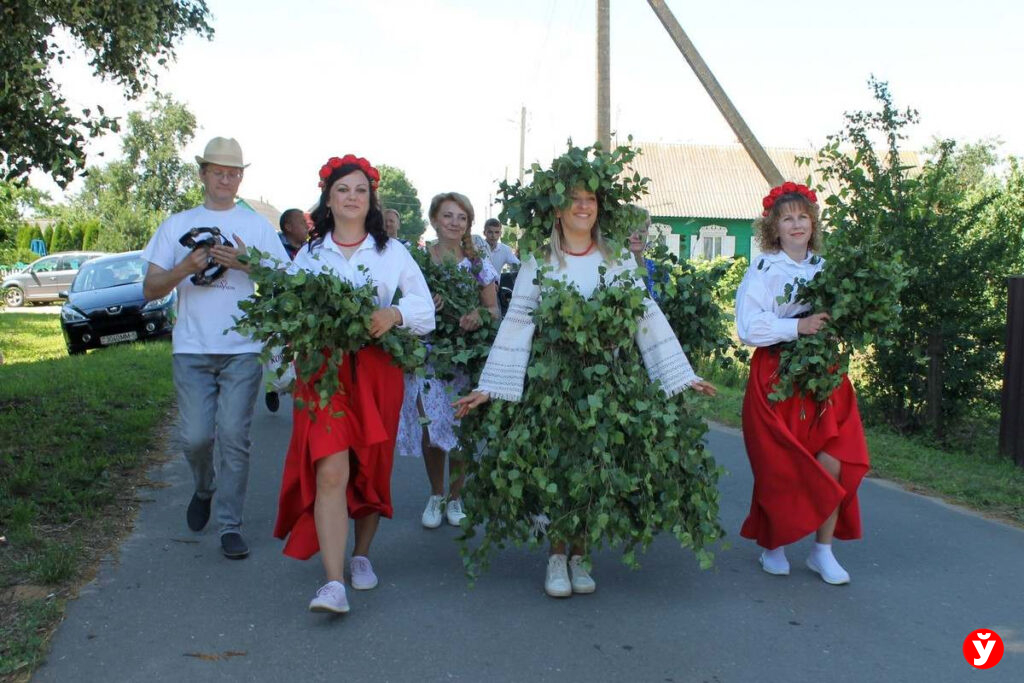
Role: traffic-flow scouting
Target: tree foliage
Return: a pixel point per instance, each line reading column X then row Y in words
column 593, row 446
column 945, row 350
column 453, row 350
column 125, row 41
column 131, row 196
column 314, row 320
column 397, row 192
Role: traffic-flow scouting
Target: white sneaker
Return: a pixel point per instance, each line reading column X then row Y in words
column 432, row 513
column 330, row 598
column 778, row 566
column 453, row 511
column 556, row 583
column 582, row 582
column 362, row 576
column 828, row 568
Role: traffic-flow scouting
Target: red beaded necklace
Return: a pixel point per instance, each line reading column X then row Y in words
column 580, row 253
column 349, row 246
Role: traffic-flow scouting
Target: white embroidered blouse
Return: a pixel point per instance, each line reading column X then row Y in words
column 760, row 319
column 390, row 270
column 505, row 370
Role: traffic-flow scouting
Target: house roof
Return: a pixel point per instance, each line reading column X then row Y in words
column 268, row 211
column 717, row 181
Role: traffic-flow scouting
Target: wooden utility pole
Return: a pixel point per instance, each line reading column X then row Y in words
column 604, row 97
column 732, row 116
column 1011, row 423
column 522, row 143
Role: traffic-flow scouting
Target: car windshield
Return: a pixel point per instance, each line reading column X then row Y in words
column 109, row 273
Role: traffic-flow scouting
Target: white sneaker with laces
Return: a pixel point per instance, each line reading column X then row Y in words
column 330, row 598
column 582, row 582
column 362, row 576
column 453, row 511
column 556, row 583
column 432, row 513
column 824, row 563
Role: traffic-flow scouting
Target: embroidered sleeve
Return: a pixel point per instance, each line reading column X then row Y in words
column 662, row 354
column 757, row 323
column 505, row 370
column 416, row 304
column 487, row 274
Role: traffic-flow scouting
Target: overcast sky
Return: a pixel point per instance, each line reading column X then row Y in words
column 435, row 87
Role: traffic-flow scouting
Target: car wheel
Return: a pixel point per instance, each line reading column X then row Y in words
column 14, row 297
column 75, row 351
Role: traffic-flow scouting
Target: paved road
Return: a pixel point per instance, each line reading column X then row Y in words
column 925, row 576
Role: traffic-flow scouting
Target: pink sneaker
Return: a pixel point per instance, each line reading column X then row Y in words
column 330, row 598
column 362, row 576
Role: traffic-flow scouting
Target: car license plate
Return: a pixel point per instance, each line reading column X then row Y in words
column 115, row 338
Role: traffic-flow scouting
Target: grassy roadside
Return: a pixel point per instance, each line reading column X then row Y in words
column 76, row 435
column 980, row 478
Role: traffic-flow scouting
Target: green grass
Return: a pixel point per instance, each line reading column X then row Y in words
column 74, row 434
column 973, row 476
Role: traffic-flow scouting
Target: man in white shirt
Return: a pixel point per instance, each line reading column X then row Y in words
column 501, row 254
column 217, row 374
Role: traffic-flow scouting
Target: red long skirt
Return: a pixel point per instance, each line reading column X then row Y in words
column 371, row 403
column 793, row 494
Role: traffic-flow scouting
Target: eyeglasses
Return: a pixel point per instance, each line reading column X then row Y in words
column 218, row 174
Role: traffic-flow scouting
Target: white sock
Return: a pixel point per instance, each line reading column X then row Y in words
column 776, row 556
column 826, row 560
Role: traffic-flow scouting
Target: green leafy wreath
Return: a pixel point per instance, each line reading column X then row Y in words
column 531, row 208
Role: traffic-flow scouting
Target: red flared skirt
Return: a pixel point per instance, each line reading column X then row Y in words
column 793, row 494
column 371, row 402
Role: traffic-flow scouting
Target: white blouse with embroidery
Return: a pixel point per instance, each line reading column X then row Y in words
column 760, row 319
column 505, row 370
column 390, row 270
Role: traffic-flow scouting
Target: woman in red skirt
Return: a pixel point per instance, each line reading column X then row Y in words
column 339, row 460
column 807, row 458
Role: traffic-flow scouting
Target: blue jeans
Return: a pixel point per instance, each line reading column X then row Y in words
column 216, row 398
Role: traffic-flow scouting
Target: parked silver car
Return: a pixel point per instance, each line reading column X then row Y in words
column 45, row 278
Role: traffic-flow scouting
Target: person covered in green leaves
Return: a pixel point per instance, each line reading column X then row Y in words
column 590, row 451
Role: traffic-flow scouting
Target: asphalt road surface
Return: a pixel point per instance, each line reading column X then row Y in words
column 169, row 607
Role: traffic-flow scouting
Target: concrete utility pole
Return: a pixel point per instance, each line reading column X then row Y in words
column 604, row 96
column 522, row 143
column 732, row 116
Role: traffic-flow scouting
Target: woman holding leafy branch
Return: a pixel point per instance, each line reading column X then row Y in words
column 808, row 457
column 340, row 456
column 469, row 281
column 580, row 486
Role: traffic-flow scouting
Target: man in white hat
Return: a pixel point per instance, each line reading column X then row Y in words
column 217, row 375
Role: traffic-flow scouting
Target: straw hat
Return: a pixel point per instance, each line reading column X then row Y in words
column 223, row 152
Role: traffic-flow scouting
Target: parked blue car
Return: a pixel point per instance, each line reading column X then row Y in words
column 105, row 305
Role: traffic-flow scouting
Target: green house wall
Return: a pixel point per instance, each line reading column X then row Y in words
column 688, row 229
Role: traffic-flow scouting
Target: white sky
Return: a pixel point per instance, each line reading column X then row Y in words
column 435, row 86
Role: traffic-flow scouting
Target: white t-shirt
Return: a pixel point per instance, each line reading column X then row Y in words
column 205, row 313
column 503, row 255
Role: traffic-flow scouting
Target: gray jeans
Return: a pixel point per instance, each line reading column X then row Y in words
column 216, row 399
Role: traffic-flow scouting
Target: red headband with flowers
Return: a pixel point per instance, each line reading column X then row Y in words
column 364, row 165
column 787, row 188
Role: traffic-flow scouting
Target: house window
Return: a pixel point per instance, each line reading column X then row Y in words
column 713, row 241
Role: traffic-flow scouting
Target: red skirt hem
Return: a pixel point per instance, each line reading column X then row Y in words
column 793, row 494
column 361, row 418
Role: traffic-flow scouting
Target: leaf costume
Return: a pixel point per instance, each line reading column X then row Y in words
column 592, row 439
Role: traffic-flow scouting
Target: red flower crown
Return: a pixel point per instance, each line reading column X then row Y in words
column 364, row 165
column 787, row 188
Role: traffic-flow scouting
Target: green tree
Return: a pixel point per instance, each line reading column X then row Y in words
column 132, row 195
column 945, row 355
column 126, row 42
column 397, row 192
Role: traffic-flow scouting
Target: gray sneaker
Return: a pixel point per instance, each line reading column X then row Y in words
column 556, row 583
column 362, row 576
column 330, row 598
column 582, row 582
column 432, row 513
column 453, row 511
